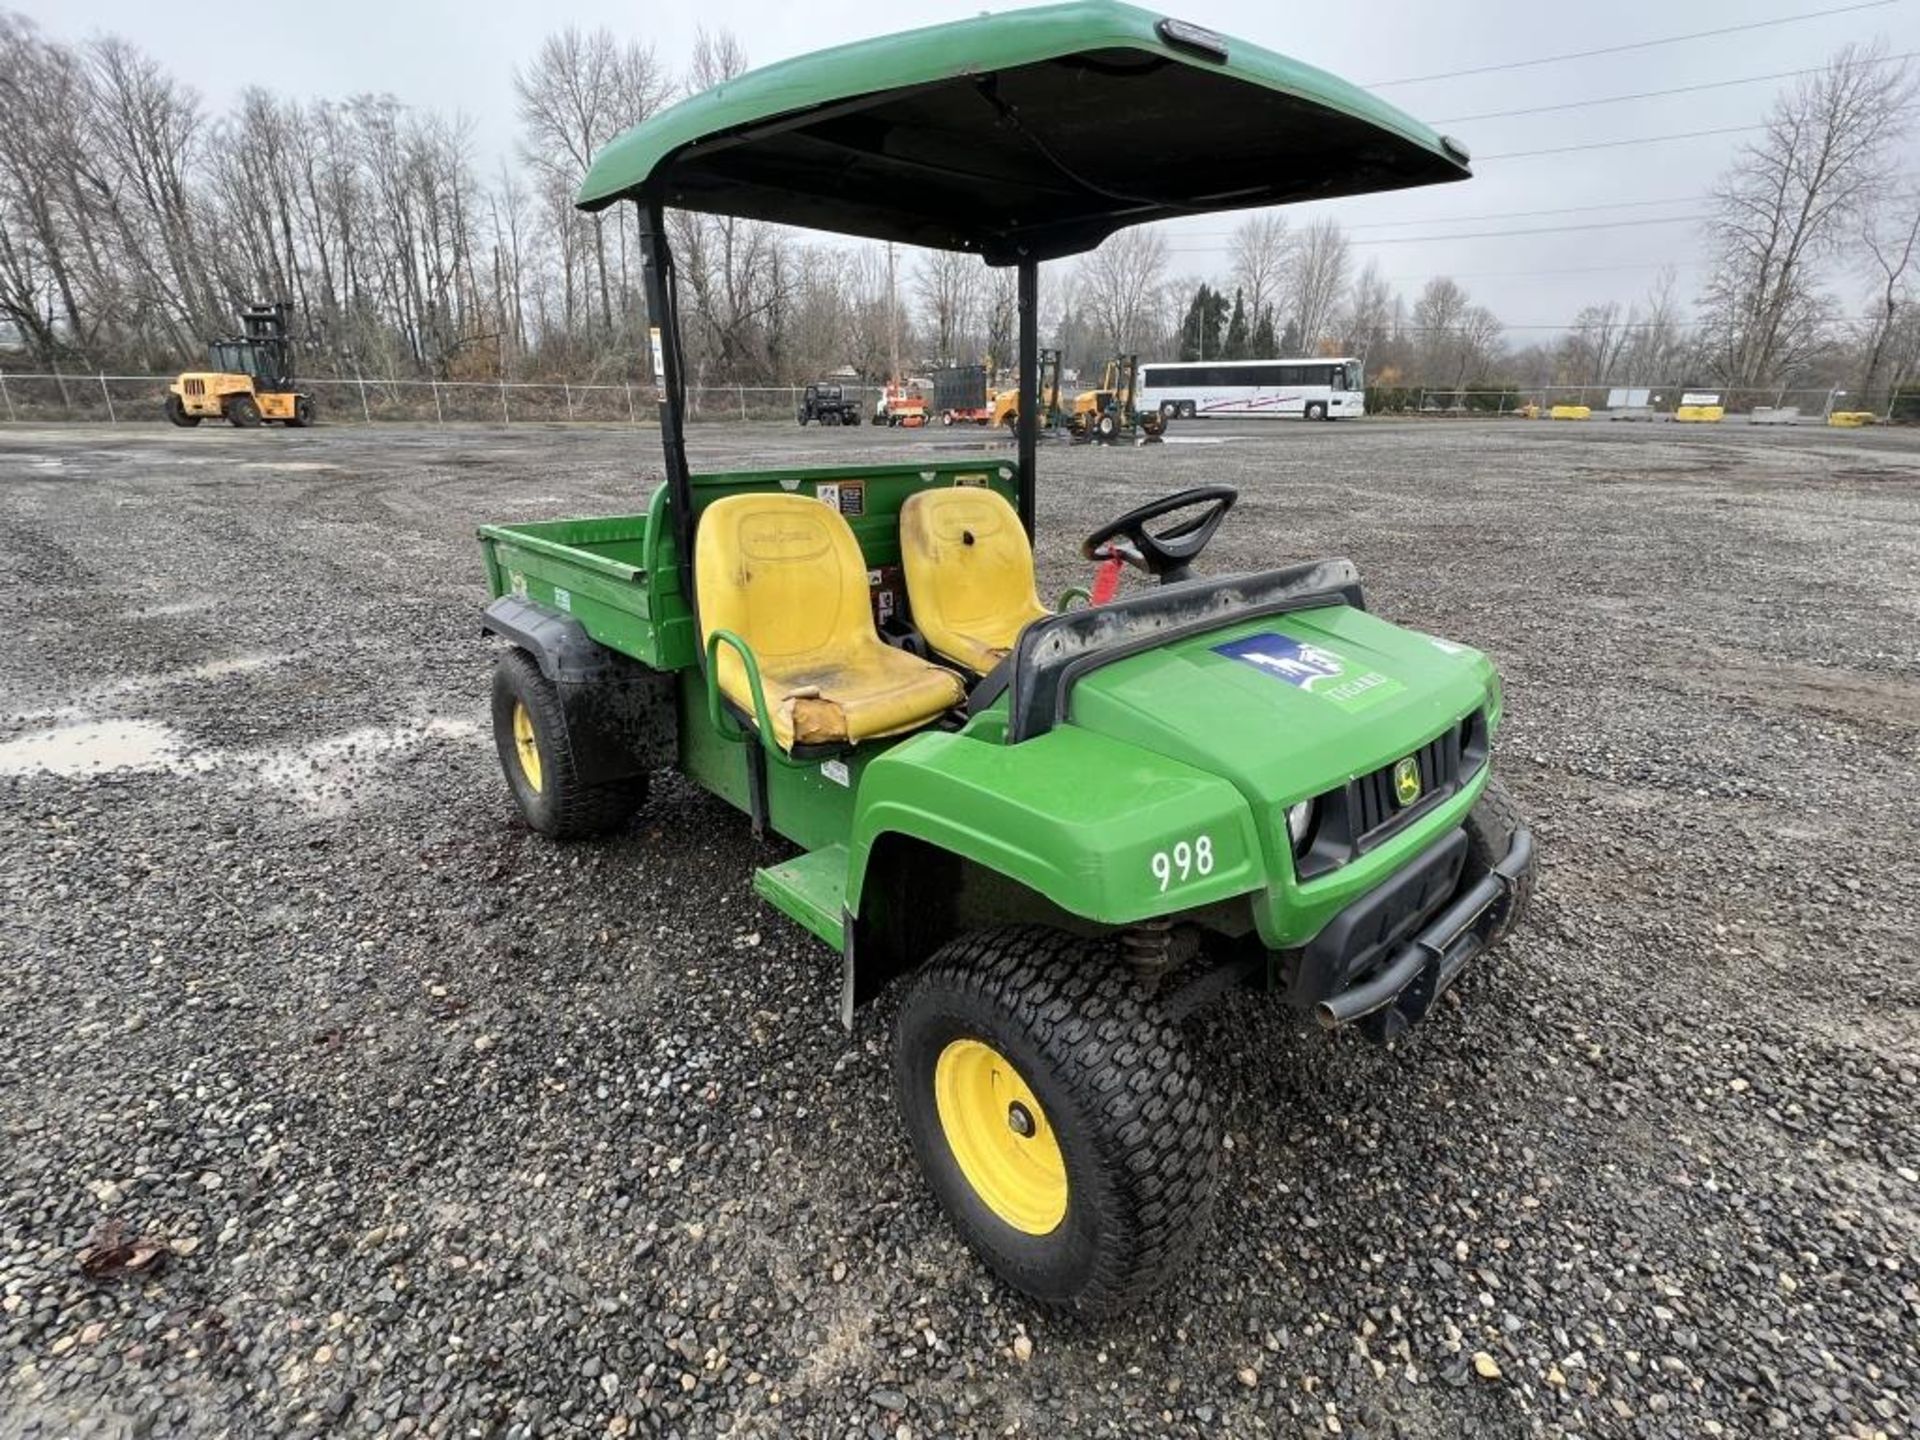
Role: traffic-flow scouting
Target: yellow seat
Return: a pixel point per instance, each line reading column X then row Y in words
column 969, row 574
column 785, row 574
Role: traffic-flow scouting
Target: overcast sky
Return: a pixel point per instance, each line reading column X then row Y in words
column 461, row 57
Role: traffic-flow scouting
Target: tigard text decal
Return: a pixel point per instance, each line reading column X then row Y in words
column 1313, row 668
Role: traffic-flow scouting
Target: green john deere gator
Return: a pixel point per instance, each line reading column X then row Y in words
column 1063, row 829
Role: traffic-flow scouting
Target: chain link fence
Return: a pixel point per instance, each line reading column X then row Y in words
column 1772, row 405
column 141, row 399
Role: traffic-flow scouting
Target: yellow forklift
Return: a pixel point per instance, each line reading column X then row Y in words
column 249, row 377
column 1004, row 409
column 1108, row 413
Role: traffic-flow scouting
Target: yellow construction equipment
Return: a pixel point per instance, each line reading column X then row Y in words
column 1109, row 412
column 249, row 379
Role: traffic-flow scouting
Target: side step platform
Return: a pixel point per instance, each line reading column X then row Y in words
column 811, row 889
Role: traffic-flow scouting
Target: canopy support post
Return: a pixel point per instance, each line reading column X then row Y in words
column 1028, row 409
column 663, row 316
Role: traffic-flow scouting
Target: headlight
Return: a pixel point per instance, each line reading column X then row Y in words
column 1299, row 823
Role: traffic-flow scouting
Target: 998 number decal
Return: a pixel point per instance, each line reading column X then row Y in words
column 1184, row 861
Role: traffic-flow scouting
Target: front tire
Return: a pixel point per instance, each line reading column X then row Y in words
column 530, row 734
column 1106, row 427
column 177, row 413
column 1316, row 411
column 1057, row 1116
column 1490, row 826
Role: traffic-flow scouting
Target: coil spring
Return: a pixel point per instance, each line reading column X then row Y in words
column 1148, row 947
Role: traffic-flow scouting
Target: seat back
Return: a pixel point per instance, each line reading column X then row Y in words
column 784, row 573
column 969, row 570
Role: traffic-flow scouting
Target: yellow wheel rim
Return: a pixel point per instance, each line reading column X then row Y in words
column 1000, row 1137
column 525, row 746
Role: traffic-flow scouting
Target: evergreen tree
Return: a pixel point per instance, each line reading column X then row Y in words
column 1290, row 339
column 1190, row 326
column 1236, row 344
column 1264, row 345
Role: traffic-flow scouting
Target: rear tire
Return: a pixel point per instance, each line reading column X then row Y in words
column 1187, row 410
column 1057, row 1116
column 530, row 734
column 1490, row 826
column 1169, row 409
column 302, row 413
column 177, row 413
column 243, row 412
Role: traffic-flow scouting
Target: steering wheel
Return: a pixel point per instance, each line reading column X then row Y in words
column 1167, row 556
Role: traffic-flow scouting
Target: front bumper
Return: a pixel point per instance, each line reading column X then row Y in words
column 1386, row 959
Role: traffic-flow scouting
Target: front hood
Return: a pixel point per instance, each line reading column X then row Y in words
column 1289, row 706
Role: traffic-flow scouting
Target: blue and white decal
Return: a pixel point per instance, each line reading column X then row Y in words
column 1313, row 668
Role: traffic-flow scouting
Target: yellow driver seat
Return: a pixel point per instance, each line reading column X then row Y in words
column 969, row 574
column 785, row 574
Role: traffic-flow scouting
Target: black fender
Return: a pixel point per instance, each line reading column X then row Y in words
column 620, row 715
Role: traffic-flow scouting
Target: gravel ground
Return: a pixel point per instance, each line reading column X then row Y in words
column 380, row 1115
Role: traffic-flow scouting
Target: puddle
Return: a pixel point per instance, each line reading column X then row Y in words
column 168, row 609
column 321, row 775
column 97, row 747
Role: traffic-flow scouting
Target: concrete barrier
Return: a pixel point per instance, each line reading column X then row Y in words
column 1571, row 412
column 1850, row 419
column 1701, row 414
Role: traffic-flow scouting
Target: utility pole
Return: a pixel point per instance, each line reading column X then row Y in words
column 893, row 322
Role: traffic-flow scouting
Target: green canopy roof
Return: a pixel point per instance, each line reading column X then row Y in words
column 1033, row 134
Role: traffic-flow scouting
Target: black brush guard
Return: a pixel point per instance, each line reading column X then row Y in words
column 1399, row 993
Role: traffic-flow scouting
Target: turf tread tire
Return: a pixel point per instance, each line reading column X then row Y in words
column 1143, row 1148
column 565, row 807
column 1490, row 826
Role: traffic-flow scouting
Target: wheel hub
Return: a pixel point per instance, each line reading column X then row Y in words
column 1000, row 1136
column 526, row 747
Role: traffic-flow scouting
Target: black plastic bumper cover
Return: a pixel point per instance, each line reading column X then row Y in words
column 1403, row 990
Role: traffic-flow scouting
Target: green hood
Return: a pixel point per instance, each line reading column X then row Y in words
column 1288, row 707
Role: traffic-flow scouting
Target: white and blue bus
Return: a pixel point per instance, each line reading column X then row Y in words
column 1331, row 388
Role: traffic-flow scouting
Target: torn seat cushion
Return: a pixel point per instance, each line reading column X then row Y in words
column 785, row 573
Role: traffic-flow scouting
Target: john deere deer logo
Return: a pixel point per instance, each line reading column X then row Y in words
column 1406, row 781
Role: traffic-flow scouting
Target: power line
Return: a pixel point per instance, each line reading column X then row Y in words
column 1675, row 323
column 1575, row 270
column 1658, row 94
column 1616, row 144
column 1469, row 219
column 1632, row 45
column 1502, row 234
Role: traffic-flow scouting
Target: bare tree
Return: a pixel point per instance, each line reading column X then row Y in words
column 1261, row 248
column 947, row 283
column 1655, row 352
column 1119, row 289
column 1890, row 238
column 1590, row 352
column 1367, row 320
column 1788, row 201
column 581, row 90
column 1316, row 280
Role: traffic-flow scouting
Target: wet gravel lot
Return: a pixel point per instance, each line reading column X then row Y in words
column 380, row 1115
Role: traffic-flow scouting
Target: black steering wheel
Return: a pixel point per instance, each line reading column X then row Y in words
column 1169, row 555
